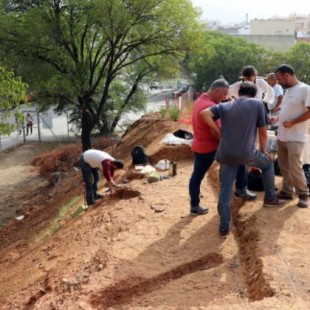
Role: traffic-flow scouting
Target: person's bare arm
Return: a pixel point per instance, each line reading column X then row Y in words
column 278, row 104
column 207, row 117
column 302, row 118
column 262, row 138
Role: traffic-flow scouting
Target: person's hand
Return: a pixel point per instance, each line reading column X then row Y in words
column 288, row 124
column 120, row 185
column 217, row 134
column 111, row 186
column 273, row 119
column 268, row 155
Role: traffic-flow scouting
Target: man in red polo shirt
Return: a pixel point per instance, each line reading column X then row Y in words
column 204, row 147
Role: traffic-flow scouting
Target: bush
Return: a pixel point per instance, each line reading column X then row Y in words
column 174, row 113
column 162, row 112
column 61, row 159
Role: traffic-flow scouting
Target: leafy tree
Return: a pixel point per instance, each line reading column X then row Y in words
column 77, row 52
column 299, row 57
column 272, row 60
column 12, row 93
column 222, row 55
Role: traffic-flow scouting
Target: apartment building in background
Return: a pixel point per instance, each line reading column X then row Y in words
column 275, row 33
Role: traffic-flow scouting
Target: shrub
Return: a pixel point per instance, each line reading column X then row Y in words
column 162, row 112
column 62, row 159
column 174, row 113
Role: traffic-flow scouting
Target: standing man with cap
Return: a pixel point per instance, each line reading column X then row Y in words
column 91, row 162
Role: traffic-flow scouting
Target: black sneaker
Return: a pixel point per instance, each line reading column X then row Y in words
column 91, row 202
column 246, row 195
column 199, row 211
column 224, row 233
column 99, row 196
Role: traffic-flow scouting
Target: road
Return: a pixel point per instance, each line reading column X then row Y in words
column 155, row 101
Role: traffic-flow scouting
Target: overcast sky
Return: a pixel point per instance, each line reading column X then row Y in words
column 236, row 10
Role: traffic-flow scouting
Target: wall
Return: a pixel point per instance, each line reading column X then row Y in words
column 271, row 42
column 280, row 27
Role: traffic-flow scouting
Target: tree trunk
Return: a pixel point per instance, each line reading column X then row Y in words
column 87, row 126
column 104, row 127
column 115, row 122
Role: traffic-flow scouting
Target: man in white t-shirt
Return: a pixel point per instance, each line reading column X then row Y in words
column 264, row 91
column 91, row 162
column 292, row 134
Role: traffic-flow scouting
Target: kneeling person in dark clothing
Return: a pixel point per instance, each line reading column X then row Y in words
column 91, row 162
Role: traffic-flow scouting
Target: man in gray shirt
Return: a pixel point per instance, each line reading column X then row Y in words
column 240, row 121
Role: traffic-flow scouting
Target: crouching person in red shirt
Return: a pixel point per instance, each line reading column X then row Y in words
column 91, row 162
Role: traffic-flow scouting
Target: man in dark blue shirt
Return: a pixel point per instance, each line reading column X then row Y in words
column 240, row 121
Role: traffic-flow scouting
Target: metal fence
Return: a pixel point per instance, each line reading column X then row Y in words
column 47, row 126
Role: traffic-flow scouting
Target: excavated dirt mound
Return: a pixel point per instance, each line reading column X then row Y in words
column 138, row 247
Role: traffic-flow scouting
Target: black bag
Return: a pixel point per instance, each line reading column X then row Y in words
column 139, row 156
column 306, row 168
column 255, row 181
column 276, row 167
column 183, row 134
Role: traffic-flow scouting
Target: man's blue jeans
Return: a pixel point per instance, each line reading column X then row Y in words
column 202, row 163
column 227, row 176
column 241, row 183
column 90, row 178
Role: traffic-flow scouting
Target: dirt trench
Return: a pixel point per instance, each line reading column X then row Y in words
column 245, row 233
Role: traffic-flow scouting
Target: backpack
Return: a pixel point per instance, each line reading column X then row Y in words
column 306, row 168
column 139, row 156
column 276, row 167
column 183, row 134
column 255, row 180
